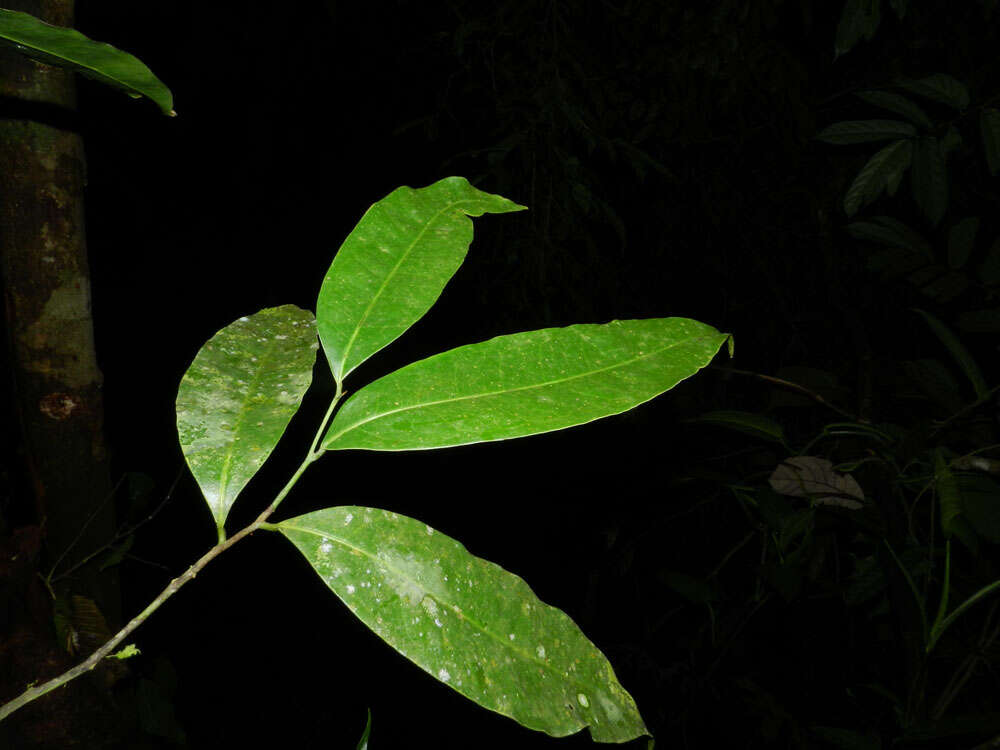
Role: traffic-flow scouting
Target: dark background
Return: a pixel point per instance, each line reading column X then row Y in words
column 665, row 152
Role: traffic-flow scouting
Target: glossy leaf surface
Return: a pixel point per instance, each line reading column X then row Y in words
column 524, row 384
column 394, row 265
column 238, row 396
column 68, row 48
column 466, row 621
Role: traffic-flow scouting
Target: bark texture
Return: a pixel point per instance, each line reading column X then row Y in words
column 56, row 394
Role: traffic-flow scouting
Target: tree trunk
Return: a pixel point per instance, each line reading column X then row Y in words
column 56, row 399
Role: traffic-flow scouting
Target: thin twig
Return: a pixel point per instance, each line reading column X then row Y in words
column 33, row 692
column 120, row 535
column 790, row 386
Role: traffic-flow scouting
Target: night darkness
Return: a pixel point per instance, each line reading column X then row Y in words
column 666, row 153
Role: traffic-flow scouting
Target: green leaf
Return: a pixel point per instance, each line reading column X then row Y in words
column 466, row 621
column 961, row 240
column 892, row 233
column 989, row 269
column 126, row 652
column 394, row 265
column 898, row 104
column 929, row 179
column 989, row 127
column 116, row 553
column 858, row 20
column 885, row 166
column 68, row 48
column 363, row 742
column 949, row 499
column 964, row 360
column 523, row 384
column 746, row 422
column 238, row 396
column 865, row 131
column 950, row 141
column 939, row 88
column 981, row 503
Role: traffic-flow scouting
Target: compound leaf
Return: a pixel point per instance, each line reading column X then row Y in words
column 466, row 621
column 523, row 384
column 238, row 396
column 394, row 265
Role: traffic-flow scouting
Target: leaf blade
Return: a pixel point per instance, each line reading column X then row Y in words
column 898, row 104
column 238, row 396
column 523, row 384
column 849, row 132
column 939, row 87
column 394, row 265
column 929, row 179
column 68, row 48
column 962, row 356
column 884, row 168
column 989, row 129
column 466, row 621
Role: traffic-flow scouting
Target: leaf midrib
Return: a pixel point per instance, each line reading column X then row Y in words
column 390, row 276
column 331, row 440
column 76, row 37
column 456, row 610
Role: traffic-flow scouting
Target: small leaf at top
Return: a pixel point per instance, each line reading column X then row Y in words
column 395, row 264
column 68, row 48
column 523, row 384
column 466, row 621
column 238, row 396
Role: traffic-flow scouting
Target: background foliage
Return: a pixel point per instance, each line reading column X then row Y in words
column 670, row 159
